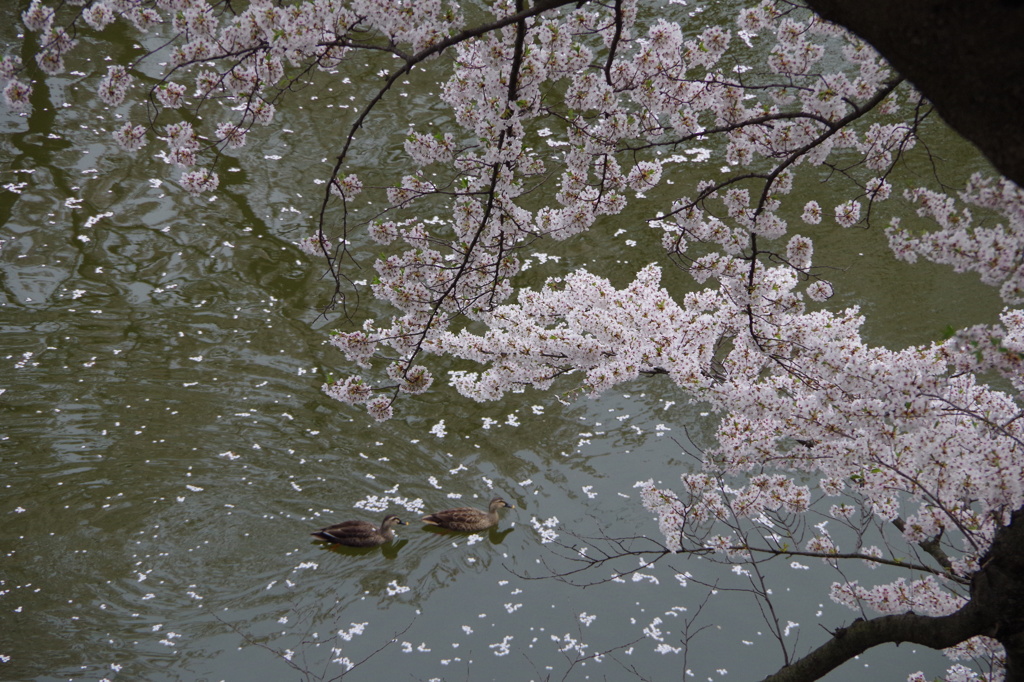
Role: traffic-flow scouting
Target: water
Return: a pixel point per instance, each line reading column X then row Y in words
column 166, row 449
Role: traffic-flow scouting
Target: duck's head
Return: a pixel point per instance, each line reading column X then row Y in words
column 392, row 520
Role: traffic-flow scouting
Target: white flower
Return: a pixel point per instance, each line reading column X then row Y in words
column 812, row 213
column 848, row 213
column 199, row 181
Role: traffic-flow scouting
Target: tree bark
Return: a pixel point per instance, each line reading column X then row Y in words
column 966, row 57
column 998, row 590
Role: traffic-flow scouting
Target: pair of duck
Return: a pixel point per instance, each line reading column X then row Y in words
column 365, row 534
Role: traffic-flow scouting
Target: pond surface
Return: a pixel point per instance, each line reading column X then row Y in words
column 166, row 448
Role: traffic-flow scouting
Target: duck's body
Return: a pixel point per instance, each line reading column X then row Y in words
column 360, row 533
column 468, row 519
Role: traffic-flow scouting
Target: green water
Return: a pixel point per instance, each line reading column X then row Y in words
column 166, row 449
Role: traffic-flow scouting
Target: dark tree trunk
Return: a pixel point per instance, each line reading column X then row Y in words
column 998, row 591
column 966, row 56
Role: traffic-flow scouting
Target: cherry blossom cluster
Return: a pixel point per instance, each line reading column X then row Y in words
column 924, row 596
column 967, row 243
column 960, row 673
column 353, row 389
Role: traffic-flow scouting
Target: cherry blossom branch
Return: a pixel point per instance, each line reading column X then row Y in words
column 792, row 156
column 933, row 546
column 410, row 61
column 413, row 60
column 911, row 566
column 616, row 37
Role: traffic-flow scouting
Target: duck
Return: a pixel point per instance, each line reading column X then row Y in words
column 360, row 533
column 468, row 519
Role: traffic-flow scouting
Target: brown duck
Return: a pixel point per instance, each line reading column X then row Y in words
column 360, row 533
column 468, row 519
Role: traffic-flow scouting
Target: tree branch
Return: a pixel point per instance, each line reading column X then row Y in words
column 934, row 632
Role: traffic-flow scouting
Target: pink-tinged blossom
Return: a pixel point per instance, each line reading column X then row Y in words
column 667, row 509
column 819, row 290
column 240, row 81
column 38, row 17
column 114, row 86
column 412, row 380
column 130, row 138
column 182, row 156
column 171, row 95
column 351, row 390
column 878, row 189
column 199, row 22
column 783, row 183
column 383, row 231
column 99, row 14
column 357, row 346
column 714, row 41
column 181, row 135
column 262, row 112
column 9, row 66
column 720, row 543
column 644, row 176
column 143, row 18
column 199, row 181
column 842, row 511
column 769, row 225
column 232, row 134
column 380, row 409
column 822, row 544
column 50, row 60
column 737, row 202
column 848, row 213
column 832, row 485
column 17, row 94
column 315, row 245
column 427, row 149
column 348, row 187
column 812, row 213
column 753, row 19
column 206, row 82
column 56, row 44
column 872, row 552
column 977, row 648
